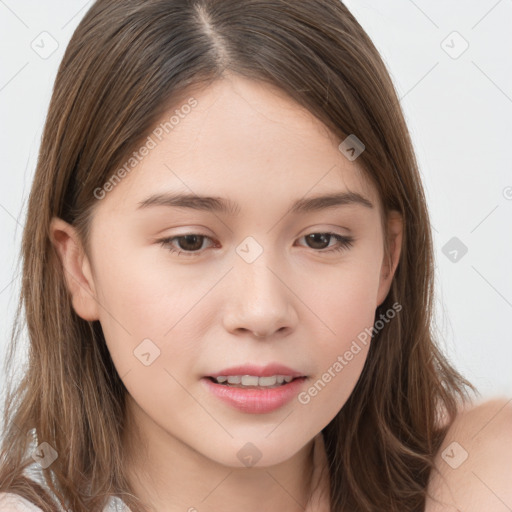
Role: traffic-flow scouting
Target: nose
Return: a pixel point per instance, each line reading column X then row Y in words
column 260, row 301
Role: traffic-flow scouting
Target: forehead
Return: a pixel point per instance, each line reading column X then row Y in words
column 241, row 139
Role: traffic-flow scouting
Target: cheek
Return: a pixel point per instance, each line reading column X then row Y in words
column 131, row 306
column 344, row 298
column 146, row 308
column 345, row 304
column 133, row 284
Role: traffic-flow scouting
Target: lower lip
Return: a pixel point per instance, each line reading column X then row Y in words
column 256, row 401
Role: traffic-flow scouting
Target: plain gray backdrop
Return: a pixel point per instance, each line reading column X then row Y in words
column 451, row 63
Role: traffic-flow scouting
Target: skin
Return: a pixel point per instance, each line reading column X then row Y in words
column 473, row 468
column 248, row 142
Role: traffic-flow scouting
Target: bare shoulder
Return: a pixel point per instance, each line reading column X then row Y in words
column 473, row 468
column 10, row 502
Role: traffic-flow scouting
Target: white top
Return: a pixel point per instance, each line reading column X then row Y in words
column 10, row 502
column 13, row 503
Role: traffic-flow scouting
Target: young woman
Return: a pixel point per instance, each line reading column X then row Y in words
column 227, row 279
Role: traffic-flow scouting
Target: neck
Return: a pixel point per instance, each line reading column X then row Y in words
column 169, row 475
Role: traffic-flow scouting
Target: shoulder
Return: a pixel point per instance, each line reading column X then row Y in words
column 10, row 502
column 473, row 468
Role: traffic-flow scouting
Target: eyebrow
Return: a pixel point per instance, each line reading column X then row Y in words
column 226, row 206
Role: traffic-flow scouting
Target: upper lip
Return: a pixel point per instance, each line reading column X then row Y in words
column 258, row 371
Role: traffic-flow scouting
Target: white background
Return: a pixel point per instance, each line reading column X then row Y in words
column 459, row 111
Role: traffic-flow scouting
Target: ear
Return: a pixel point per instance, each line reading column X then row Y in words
column 76, row 268
column 392, row 256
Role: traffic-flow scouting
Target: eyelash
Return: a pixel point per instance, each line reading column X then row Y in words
column 345, row 243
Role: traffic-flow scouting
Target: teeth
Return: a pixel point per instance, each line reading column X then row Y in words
column 249, row 380
column 264, row 381
column 253, row 380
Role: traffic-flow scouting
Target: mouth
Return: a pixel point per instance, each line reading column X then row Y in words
column 253, row 394
column 253, row 381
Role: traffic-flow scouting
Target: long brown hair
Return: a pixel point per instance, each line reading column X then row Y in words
column 125, row 65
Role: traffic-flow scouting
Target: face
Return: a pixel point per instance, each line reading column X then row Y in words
column 185, row 290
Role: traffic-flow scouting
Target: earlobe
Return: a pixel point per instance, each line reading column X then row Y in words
column 391, row 259
column 76, row 268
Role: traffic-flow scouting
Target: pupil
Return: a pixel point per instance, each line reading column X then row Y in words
column 319, row 236
column 189, row 239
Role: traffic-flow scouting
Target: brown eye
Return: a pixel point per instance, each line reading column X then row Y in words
column 318, row 239
column 321, row 241
column 189, row 244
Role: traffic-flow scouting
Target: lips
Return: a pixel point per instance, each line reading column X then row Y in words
column 255, row 400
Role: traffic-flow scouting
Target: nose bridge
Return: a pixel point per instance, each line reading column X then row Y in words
column 259, row 300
